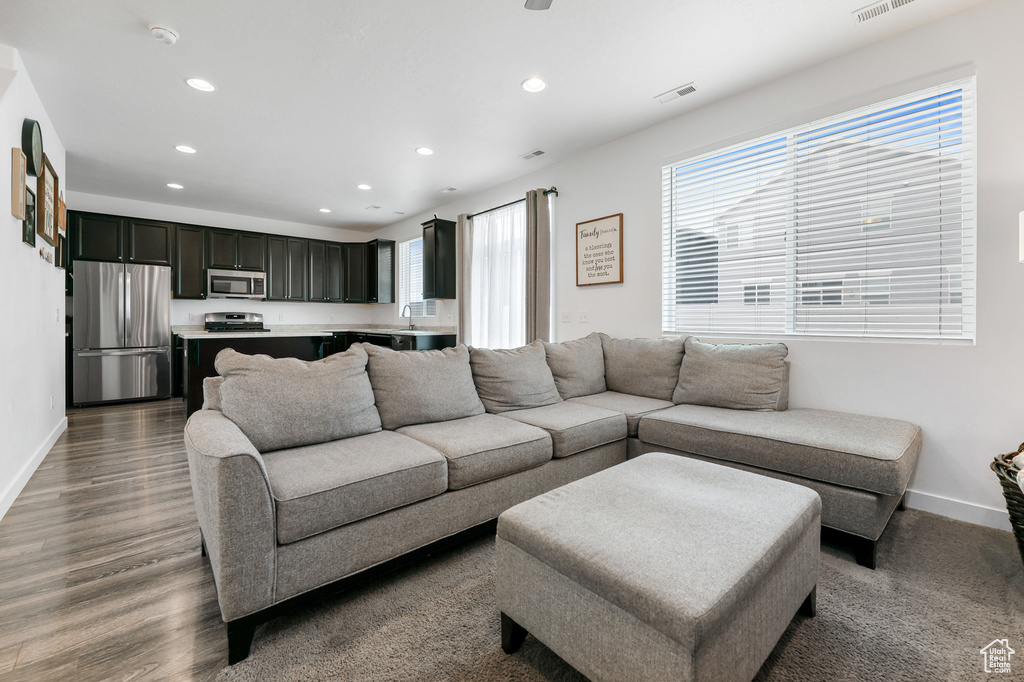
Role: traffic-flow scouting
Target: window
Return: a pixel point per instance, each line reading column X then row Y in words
column 498, row 278
column 410, row 281
column 864, row 223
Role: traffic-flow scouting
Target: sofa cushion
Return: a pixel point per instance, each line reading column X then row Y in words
column 577, row 366
column 574, row 427
column 483, row 447
column 417, row 386
column 856, row 451
column 320, row 487
column 513, row 379
column 734, row 375
column 645, row 367
column 286, row 402
column 633, row 406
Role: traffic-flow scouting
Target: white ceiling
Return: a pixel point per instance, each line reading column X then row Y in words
column 316, row 96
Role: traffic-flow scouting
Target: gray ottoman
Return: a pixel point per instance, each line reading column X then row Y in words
column 661, row 568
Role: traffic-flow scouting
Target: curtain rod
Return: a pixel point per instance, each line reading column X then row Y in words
column 553, row 190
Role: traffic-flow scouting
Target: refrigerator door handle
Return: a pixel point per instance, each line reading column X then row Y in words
column 127, row 305
column 106, row 353
column 121, row 329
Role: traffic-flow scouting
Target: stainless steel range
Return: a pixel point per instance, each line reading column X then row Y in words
column 234, row 322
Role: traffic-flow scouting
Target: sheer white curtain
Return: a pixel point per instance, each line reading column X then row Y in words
column 497, row 245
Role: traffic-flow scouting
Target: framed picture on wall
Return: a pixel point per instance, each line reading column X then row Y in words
column 17, row 183
column 28, row 225
column 46, row 196
column 599, row 251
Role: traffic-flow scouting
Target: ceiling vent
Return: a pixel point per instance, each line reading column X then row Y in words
column 675, row 93
column 449, row 190
column 878, row 9
column 532, row 155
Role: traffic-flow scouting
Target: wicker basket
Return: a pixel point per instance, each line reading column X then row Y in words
column 1007, row 473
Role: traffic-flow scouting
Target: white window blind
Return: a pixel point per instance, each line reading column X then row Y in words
column 858, row 225
column 410, row 280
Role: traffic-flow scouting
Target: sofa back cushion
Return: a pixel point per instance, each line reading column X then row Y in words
column 286, row 402
column 513, row 379
column 738, row 376
column 419, row 386
column 577, row 366
column 647, row 367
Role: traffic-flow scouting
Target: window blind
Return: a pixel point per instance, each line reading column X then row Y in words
column 857, row 225
column 410, row 280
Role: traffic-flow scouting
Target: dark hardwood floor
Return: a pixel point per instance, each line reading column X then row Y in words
column 101, row 576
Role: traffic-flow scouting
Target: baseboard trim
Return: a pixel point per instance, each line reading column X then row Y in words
column 15, row 487
column 959, row 510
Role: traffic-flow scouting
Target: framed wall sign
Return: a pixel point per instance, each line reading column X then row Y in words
column 28, row 225
column 599, row 251
column 17, row 183
column 46, row 196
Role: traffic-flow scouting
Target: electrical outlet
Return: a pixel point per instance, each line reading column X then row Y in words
column 332, row 318
column 58, row 319
column 583, row 317
column 280, row 318
column 51, row 402
column 566, row 317
column 191, row 317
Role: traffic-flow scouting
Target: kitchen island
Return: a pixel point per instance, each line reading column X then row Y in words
column 201, row 347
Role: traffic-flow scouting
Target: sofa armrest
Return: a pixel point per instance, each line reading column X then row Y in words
column 235, row 507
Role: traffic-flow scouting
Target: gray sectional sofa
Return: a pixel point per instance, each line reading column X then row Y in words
column 310, row 475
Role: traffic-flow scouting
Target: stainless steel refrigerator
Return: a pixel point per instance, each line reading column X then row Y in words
column 121, row 332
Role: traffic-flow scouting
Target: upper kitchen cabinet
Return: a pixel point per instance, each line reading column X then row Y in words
column 380, row 271
column 355, row 273
column 190, row 262
column 286, row 269
column 439, row 260
column 149, row 242
column 96, row 237
column 109, row 238
column 326, row 272
column 232, row 250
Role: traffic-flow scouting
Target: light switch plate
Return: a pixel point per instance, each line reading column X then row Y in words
column 583, row 317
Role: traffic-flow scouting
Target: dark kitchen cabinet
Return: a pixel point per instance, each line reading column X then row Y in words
column 96, row 237
column 439, row 258
column 109, row 238
column 232, row 250
column 335, row 273
column 286, row 269
column 317, row 271
column 380, row 271
column 189, row 263
column 149, row 242
column 355, row 273
column 422, row 341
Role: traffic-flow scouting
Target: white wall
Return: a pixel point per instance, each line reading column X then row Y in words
column 274, row 312
column 969, row 400
column 32, row 306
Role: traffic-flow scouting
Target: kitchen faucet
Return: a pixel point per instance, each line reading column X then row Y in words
column 409, row 308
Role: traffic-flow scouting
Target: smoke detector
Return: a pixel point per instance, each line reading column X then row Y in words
column 165, row 35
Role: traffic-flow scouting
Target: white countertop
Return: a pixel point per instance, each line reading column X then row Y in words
column 203, row 334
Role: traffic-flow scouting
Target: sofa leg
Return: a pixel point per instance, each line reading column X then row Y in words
column 202, row 545
column 240, row 634
column 902, row 505
column 512, row 635
column 810, row 606
column 865, row 551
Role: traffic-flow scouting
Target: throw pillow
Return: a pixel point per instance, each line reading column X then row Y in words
column 513, row 379
column 646, row 367
column 419, row 386
column 738, row 376
column 286, row 402
column 577, row 366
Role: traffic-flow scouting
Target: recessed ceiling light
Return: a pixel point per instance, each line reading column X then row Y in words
column 325, row 210
column 534, row 85
column 200, row 84
column 363, row 185
column 174, row 185
column 185, row 149
column 425, row 151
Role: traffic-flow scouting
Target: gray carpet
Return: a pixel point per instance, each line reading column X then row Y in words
column 942, row 591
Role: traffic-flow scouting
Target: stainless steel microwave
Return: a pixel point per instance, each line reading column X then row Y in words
column 235, row 284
